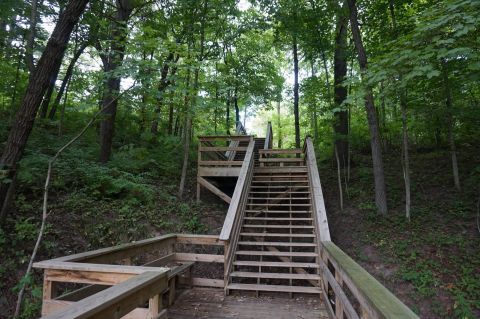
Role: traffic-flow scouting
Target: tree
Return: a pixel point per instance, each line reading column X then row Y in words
column 48, row 64
column 375, row 143
column 112, row 62
column 340, row 91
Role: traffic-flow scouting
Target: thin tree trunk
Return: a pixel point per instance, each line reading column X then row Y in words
column 48, row 64
column 227, row 116
column 235, row 104
column 31, row 38
column 450, row 120
column 339, row 179
column 162, row 86
column 62, row 111
column 295, row 92
column 188, row 122
column 406, row 158
column 170, row 114
column 375, row 142
column 340, row 91
column 112, row 85
column 66, row 79
column 279, row 124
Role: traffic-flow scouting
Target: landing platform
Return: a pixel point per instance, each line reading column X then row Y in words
column 212, row 303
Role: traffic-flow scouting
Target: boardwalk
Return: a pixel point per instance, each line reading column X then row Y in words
column 212, row 303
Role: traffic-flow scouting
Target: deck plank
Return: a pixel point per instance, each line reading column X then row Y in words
column 211, row 303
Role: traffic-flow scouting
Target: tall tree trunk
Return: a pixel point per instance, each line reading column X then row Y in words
column 48, row 95
column 170, row 115
column 112, row 85
column 188, row 122
column 235, row 104
column 340, row 91
column 375, row 142
column 314, row 109
column 279, row 123
column 451, row 121
column 227, row 116
column 48, row 64
column 295, row 92
column 403, row 109
column 31, row 38
column 406, row 158
column 66, row 79
column 162, row 86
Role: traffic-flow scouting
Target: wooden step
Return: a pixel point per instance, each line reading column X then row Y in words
column 272, row 275
column 279, row 198
column 282, row 151
column 275, row 243
column 278, row 235
column 275, row 288
column 277, row 204
column 285, row 186
column 278, row 211
column 275, row 253
column 278, row 226
column 278, row 219
column 281, row 176
column 281, row 181
column 280, row 159
column 275, row 264
column 283, row 192
column 280, row 169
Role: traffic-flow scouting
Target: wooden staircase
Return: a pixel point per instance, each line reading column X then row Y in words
column 277, row 245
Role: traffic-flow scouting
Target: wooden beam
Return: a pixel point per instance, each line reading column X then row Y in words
column 209, row 258
column 225, row 137
column 219, row 171
column 199, row 239
column 202, row 181
column 280, row 159
column 220, row 163
column 280, row 151
column 116, row 301
column 221, row 148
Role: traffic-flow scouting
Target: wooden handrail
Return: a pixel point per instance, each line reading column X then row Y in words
column 320, row 213
column 375, row 300
column 117, row 300
column 240, row 187
column 111, row 254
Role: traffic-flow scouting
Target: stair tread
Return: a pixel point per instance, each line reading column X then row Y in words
column 282, row 181
column 277, row 235
column 278, row 218
column 275, row 253
column 279, row 198
column 279, row 226
column 284, row 186
column 273, row 275
column 277, row 211
column 276, row 204
column 252, row 192
column 275, row 264
column 275, row 288
column 273, row 243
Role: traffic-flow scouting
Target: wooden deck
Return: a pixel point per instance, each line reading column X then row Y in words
column 212, row 303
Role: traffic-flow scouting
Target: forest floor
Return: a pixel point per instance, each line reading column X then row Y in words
column 432, row 262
